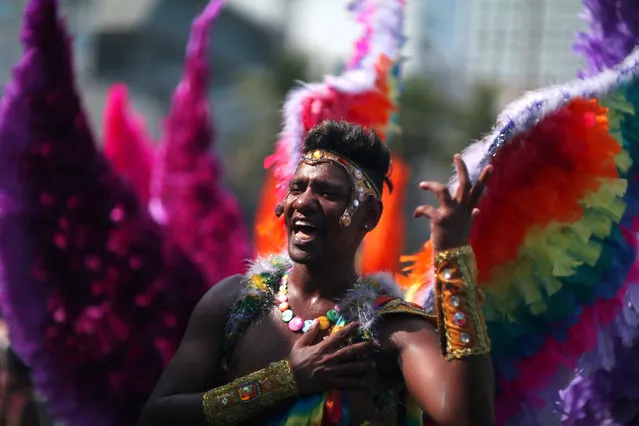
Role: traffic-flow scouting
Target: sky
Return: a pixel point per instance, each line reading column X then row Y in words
column 322, row 26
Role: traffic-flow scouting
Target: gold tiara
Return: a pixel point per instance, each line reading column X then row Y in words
column 363, row 186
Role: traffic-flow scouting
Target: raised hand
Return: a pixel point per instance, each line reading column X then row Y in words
column 329, row 365
column 450, row 223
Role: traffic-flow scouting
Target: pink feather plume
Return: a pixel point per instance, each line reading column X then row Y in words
column 126, row 142
column 187, row 195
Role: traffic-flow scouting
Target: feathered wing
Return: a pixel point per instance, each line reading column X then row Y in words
column 555, row 240
column 613, row 33
column 126, row 142
column 95, row 299
column 187, row 194
column 605, row 389
column 365, row 93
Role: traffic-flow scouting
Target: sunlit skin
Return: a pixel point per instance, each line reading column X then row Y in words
column 451, row 393
column 317, row 198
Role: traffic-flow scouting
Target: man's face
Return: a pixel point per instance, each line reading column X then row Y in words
column 318, row 196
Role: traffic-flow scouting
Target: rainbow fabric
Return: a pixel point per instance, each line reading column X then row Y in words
column 311, row 411
column 555, row 240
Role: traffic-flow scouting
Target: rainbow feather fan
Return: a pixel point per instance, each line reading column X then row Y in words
column 365, row 93
column 555, row 240
column 605, row 389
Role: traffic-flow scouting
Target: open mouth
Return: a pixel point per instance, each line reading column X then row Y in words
column 304, row 230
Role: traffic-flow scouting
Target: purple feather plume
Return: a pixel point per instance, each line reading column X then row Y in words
column 608, row 394
column 614, row 32
column 187, row 195
column 96, row 300
column 606, row 390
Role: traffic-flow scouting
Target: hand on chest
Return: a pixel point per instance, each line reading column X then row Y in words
column 270, row 338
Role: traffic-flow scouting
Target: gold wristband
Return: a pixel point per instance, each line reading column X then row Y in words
column 460, row 321
column 250, row 395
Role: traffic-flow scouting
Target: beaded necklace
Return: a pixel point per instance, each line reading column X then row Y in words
column 296, row 323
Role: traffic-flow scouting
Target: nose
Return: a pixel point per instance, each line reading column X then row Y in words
column 306, row 201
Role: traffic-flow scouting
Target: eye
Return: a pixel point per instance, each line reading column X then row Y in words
column 329, row 195
column 295, row 190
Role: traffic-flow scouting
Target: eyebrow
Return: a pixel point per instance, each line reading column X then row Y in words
column 321, row 183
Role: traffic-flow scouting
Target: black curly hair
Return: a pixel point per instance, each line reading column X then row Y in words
column 358, row 144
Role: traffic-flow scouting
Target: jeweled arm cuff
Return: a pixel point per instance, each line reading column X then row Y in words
column 461, row 323
column 250, row 395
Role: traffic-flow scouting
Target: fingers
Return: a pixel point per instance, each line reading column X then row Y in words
column 425, row 211
column 441, row 191
column 352, row 352
column 464, row 179
column 339, row 338
column 478, row 189
column 309, row 337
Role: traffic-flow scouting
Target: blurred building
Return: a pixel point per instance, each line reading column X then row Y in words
column 146, row 49
column 442, row 42
column 523, row 43
column 142, row 43
column 10, row 21
column 517, row 44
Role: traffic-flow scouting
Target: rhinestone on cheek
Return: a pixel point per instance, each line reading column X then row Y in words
column 454, row 301
column 465, row 338
column 447, row 273
column 360, row 194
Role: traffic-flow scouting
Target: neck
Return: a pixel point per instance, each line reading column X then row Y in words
column 326, row 282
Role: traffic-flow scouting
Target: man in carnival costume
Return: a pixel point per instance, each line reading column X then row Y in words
column 301, row 312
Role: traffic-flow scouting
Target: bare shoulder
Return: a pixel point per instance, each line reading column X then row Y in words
column 219, row 299
column 195, row 366
column 402, row 329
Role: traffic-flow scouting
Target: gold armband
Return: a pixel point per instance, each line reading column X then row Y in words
column 250, row 395
column 460, row 321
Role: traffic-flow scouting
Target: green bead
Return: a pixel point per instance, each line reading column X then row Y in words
column 332, row 315
column 287, row 315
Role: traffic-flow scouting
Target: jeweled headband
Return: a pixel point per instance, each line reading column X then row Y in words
column 362, row 186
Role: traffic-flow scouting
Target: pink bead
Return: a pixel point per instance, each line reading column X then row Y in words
column 336, row 308
column 281, row 298
column 296, row 324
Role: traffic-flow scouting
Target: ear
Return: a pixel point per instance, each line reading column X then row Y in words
column 372, row 213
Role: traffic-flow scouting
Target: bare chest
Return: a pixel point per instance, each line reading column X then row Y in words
column 266, row 340
column 269, row 339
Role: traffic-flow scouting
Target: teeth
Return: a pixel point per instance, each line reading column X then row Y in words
column 303, row 223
